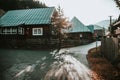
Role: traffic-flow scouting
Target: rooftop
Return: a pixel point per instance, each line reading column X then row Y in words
column 95, row 27
column 27, row 17
column 78, row 26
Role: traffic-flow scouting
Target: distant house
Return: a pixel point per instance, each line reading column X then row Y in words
column 28, row 24
column 115, row 28
column 97, row 30
column 79, row 32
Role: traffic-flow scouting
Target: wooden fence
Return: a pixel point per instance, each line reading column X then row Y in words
column 110, row 48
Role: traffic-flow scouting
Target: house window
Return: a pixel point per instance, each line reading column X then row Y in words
column 37, row 31
column 34, row 31
column 8, row 31
column 14, row 30
column 5, row 31
column 21, row 31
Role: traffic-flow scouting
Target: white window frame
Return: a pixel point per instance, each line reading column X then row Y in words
column 8, row 31
column 14, row 30
column 5, row 31
column 37, row 31
column 21, row 31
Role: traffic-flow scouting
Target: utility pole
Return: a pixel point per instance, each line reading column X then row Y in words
column 110, row 24
column 96, row 41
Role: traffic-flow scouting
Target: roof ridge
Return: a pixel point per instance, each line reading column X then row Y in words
column 75, row 18
column 31, row 9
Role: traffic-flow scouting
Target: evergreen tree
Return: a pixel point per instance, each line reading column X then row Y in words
column 20, row 4
column 2, row 12
column 118, row 3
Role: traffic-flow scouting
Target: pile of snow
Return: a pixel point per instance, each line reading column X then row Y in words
column 66, row 67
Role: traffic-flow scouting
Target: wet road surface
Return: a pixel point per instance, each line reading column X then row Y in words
column 67, row 64
column 80, row 52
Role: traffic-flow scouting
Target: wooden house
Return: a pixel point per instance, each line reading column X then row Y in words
column 79, row 32
column 27, row 24
column 98, row 31
column 115, row 28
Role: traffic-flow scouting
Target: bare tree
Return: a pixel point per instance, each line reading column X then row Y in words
column 60, row 25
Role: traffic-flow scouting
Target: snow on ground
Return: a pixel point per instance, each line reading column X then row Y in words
column 67, row 67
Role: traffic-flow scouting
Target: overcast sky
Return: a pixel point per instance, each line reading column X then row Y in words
column 87, row 11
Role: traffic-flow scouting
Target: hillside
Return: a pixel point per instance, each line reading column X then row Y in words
column 104, row 23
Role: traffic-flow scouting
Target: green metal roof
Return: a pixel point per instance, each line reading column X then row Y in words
column 91, row 27
column 27, row 17
column 96, row 27
column 78, row 26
